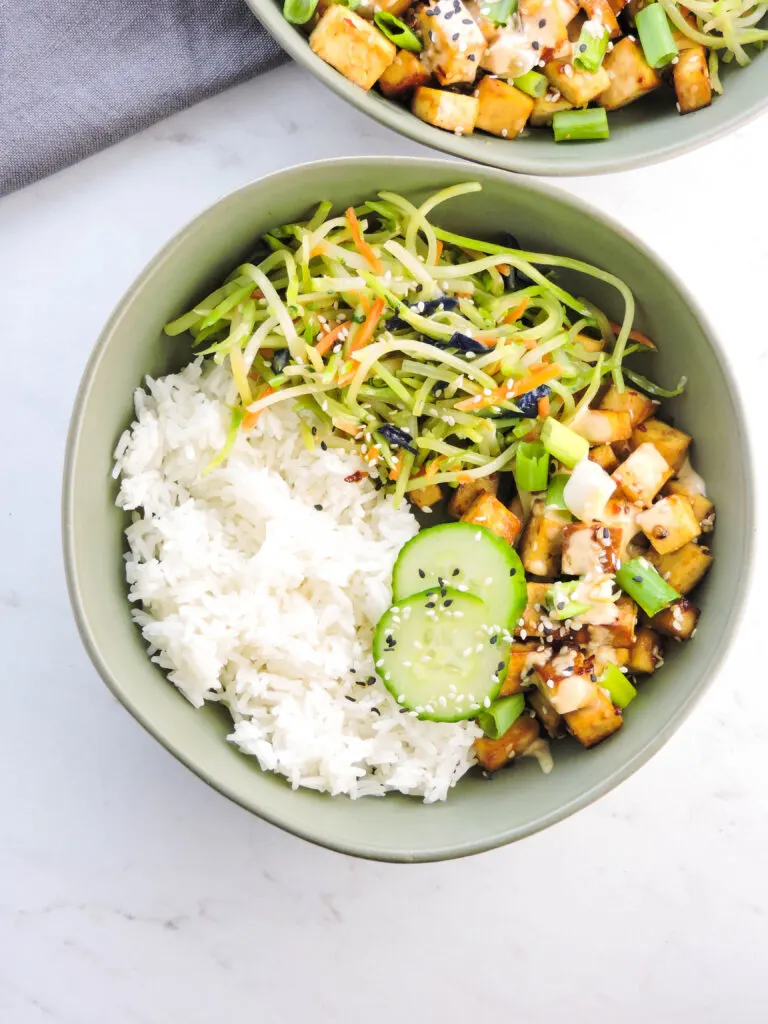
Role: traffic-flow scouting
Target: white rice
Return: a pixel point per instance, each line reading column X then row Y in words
column 249, row 595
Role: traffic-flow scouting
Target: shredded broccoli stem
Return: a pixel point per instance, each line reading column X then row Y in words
column 430, row 344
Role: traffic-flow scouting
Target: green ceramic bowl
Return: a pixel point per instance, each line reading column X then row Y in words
column 644, row 133
column 478, row 815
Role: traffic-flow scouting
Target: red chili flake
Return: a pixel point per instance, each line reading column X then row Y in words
column 354, row 478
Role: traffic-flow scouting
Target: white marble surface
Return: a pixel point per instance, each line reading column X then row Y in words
column 129, row 892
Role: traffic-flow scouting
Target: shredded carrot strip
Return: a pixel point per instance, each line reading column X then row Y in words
column 464, row 478
column 638, row 336
column 529, row 343
column 346, row 426
column 543, row 407
column 251, row 418
column 257, row 293
column 540, row 375
column 319, row 250
column 438, row 252
column 431, row 468
column 485, row 339
column 325, row 344
column 394, row 473
column 517, row 312
column 364, row 335
column 503, row 268
column 360, row 243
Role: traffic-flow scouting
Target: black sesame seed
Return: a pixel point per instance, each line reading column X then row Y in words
column 535, row 45
column 324, row 446
column 637, row 579
column 430, row 604
column 376, row 712
column 455, row 37
column 422, row 573
column 448, row 602
column 606, row 533
column 371, row 680
column 593, row 677
column 319, row 508
column 494, row 638
column 500, row 667
column 455, row 572
column 513, row 572
column 542, row 23
column 560, row 605
column 467, row 21
column 582, row 47
column 314, row 431
column 350, row 699
column 448, row 14
column 443, row 592
column 403, row 711
column 472, row 57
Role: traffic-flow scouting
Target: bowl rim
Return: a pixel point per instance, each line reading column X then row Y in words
column 569, row 162
column 286, row 823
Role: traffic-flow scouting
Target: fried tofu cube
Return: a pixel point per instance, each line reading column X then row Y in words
column 352, row 45
column 504, row 110
column 601, row 12
column 545, row 22
column 692, row 83
column 604, row 656
column 466, row 494
column 619, row 513
column 638, row 405
column 519, row 655
column 604, row 426
column 590, row 344
column 494, row 754
column 590, row 548
column 542, row 542
column 426, row 497
column 678, row 621
column 545, row 109
column 683, row 569
column 447, row 110
column 405, row 73
column 596, row 722
column 535, row 620
column 620, row 632
column 669, row 524
column 642, row 475
column 604, row 456
column 703, row 508
column 630, row 76
column 489, row 29
column 453, row 42
column 489, row 512
column 646, row 653
column 579, row 87
column 553, row 722
column 567, row 681
column 673, row 444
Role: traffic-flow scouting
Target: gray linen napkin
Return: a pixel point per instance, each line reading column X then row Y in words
column 79, row 75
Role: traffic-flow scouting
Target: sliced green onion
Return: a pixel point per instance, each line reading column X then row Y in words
column 298, row 12
column 532, row 84
column 555, row 498
column 563, row 443
column 531, row 466
column 559, row 601
column 501, row 715
column 590, row 49
column 397, row 31
column 642, row 582
column 499, row 12
column 580, row 125
column 619, row 688
column 656, row 37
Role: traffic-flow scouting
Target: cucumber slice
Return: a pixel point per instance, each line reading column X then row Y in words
column 469, row 558
column 439, row 654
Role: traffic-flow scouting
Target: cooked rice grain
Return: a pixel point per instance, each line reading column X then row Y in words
column 248, row 595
